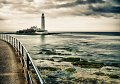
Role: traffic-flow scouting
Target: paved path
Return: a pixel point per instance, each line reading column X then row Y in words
column 10, row 66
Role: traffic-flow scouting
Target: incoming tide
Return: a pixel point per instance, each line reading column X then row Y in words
column 75, row 58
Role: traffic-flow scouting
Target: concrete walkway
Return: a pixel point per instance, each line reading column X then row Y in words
column 10, row 66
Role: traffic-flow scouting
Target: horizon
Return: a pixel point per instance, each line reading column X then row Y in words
column 71, row 31
column 65, row 15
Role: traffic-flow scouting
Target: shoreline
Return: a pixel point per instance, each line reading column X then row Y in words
column 51, row 33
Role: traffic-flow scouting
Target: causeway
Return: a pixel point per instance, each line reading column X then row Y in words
column 10, row 66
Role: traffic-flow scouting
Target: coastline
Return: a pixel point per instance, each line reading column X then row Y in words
column 62, row 32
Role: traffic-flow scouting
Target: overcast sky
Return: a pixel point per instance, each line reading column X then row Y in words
column 61, row 15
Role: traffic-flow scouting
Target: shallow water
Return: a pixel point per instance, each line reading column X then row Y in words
column 48, row 50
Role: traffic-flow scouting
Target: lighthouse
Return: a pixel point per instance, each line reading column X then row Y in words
column 43, row 22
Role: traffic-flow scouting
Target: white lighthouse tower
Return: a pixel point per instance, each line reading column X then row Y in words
column 43, row 22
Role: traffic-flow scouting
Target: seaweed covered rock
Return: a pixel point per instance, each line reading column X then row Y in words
column 115, row 64
column 82, row 80
column 113, row 76
column 49, row 68
column 51, row 52
column 100, row 73
column 86, row 64
column 71, row 59
column 47, row 51
column 70, row 70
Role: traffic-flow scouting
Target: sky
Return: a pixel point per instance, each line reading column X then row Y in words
column 61, row 15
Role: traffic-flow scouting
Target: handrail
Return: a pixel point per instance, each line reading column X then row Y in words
column 27, row 63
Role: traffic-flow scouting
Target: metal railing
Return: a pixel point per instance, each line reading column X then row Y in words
column 31, row 72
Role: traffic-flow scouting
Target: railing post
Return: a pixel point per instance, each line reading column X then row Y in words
column 22, row 51
column 23, row 57
column 7, row 38
column 27, row 61
column 14, row 42
column 19, row 48
column 4, row 36
column 17, row 45
column 10, row 39
column 0, row 36
column 28, row 79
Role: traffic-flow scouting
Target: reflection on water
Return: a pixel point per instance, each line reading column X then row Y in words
column 42, row 37
column 75, row 57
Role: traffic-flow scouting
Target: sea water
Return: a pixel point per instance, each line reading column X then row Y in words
column 56, row 57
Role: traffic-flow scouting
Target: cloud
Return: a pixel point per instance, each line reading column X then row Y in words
column 2, row 19
column 26, row 8
column 65, row 7
column 116, row 1
column 75, row 3
column 6, row 2
column 30, row 0
column 112, row 9
column 106, row 8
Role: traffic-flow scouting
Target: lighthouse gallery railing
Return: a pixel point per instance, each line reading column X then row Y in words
column 27, row 63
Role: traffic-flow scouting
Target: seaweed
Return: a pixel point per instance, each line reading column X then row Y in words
column 113, row 76
column 100, row 73
column 51, row 52
column 82, row 80
column 71, row 59
column 70, row 69
column 115, row 64
column 49, row 68
column 86, row 64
